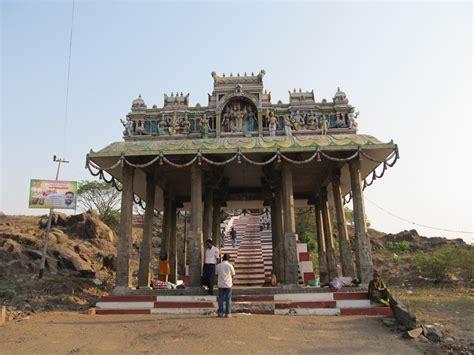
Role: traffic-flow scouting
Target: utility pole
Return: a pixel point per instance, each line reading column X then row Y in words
column 48, row 227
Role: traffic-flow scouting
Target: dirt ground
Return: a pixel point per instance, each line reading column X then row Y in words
column 69, row 332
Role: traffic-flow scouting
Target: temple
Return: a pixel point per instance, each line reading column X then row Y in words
column 243, row 151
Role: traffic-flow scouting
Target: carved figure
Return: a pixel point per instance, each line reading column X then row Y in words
column 251, row 121
column 204, row 127
column 226, row 120
column 352, row 120
column 128, row 127
column 239, row 118
column 287, row 123
column 162, row 125
column 324, row 125
column 340, row 120
column 312, row 121
column 298, row 121
column 184, row 126
column 272, row 124
column 173, row 124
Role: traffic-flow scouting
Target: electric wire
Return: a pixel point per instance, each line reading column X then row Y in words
column 414, row 223
column 67, row 82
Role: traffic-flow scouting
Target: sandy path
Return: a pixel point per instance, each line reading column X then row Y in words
column 78, row 333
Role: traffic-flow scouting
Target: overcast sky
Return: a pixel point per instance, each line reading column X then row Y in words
column 406, row 66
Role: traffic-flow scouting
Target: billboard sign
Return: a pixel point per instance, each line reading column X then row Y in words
column 53, row 194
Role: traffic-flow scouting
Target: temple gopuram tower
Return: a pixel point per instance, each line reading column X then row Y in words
column 243, row 151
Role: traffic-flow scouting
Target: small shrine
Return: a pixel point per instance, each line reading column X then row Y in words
column 241, row 150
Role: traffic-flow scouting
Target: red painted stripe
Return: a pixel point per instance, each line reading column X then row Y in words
column 169, row 304
column 258, row 311
column 304, row 256
column 367, row 311
column 350, row 296
column 308, row 276
column 308, row 304
column 122, row 311
column 128, row 298
column 252, row 298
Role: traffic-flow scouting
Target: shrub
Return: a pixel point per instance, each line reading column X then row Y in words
column 444, row 262
column 402, row 247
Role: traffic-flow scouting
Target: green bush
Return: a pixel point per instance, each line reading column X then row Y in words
column 447, row 261
column 402, row 247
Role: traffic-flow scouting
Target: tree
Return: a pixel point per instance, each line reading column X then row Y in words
column 102, row 197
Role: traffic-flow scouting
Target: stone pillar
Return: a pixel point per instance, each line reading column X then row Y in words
column 173, row 255
column 260, row 122
column 195, row 236
column 322, row 257
column 290, row 252
column 277, row 235
column 343, row 236
column 216, row 222
column 123, row 276
column 218, row 122
column 330, row 253
column 207, row 216
column 165, row 230
column 363, row 246
column 144, row 276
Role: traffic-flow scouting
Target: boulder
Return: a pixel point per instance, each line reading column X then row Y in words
column 432, row 332
column 58, row 235
column 415, row 333
column 70, row 260
column 109, row 262
column 57, row 219
column 401, row 313
column 89, row 226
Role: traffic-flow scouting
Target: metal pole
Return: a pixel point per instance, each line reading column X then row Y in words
column 48, row 226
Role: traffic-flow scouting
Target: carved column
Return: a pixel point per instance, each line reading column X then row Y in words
column 165, row 230
column 343, row 236
column 218, row 122
column 364, row 248
column 216, row 221
column 277, row 235
column 322, row 257
column 330, row 253
column 207, row 216
column 260, row 122
column 290, row 253
column 195, row 237
column 144, row 276
column 123, row 275
column 173, row 256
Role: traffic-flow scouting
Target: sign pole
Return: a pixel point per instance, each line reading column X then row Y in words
column 48, row 226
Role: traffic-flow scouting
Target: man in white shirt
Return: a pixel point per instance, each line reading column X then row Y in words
column 225, row 274
column 210, row 261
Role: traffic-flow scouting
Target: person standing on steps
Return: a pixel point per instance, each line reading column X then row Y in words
column 210, row 261
column 222, row 237
column 233, row 236
column 225, row 275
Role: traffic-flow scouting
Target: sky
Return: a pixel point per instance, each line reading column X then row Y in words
column 407, row 67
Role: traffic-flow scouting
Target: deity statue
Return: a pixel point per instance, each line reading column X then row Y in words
column 272, row 123
column 204, row 127
column 312, row 121
column 324, row 125
column 298, row 121
column 287, row 123
column 340, row 120
column 352, row 120
column 184, row 125
column 173, row 124
column 227, row 120
column 162, row 125
column 128, row 127
column 239, row 118
column 251, row 121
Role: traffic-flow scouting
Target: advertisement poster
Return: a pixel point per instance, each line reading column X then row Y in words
column 53, row 194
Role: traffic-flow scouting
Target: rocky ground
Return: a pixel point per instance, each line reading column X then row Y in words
column 81, row 262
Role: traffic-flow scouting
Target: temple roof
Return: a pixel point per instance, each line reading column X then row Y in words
column 251, row 144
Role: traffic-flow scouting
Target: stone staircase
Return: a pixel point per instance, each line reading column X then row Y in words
column 304, row 303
